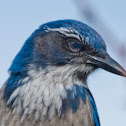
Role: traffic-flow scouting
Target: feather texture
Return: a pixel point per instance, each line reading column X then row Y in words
column 76, row 110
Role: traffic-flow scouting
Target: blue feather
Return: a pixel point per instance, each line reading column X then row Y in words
column 94, row 109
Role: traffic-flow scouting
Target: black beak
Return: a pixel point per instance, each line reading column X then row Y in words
column 108, row 64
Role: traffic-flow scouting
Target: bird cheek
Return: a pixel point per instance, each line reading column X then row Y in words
column 84, row 59
column 81, row 60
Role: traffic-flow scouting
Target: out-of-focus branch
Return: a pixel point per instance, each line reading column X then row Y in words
column 112, row 40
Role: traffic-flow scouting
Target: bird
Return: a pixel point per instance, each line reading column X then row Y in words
column 47, row 84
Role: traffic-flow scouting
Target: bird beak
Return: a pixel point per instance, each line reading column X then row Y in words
column 108, row 64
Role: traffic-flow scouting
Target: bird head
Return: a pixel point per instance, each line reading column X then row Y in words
column 66, row 42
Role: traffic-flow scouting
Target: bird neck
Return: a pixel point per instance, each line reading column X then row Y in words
column 48, row 90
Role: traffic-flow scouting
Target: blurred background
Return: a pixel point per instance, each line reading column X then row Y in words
column 18, row 19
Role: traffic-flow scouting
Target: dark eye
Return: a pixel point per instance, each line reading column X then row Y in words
column 74, row 46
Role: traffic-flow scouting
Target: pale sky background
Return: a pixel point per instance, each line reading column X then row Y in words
column 18, row 19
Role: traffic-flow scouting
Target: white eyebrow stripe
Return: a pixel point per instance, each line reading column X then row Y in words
column 67, row 32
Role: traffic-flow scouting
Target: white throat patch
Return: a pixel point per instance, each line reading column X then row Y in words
column 44, row 88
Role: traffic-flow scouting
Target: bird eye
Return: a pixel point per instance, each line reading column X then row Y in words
column 74, row 46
